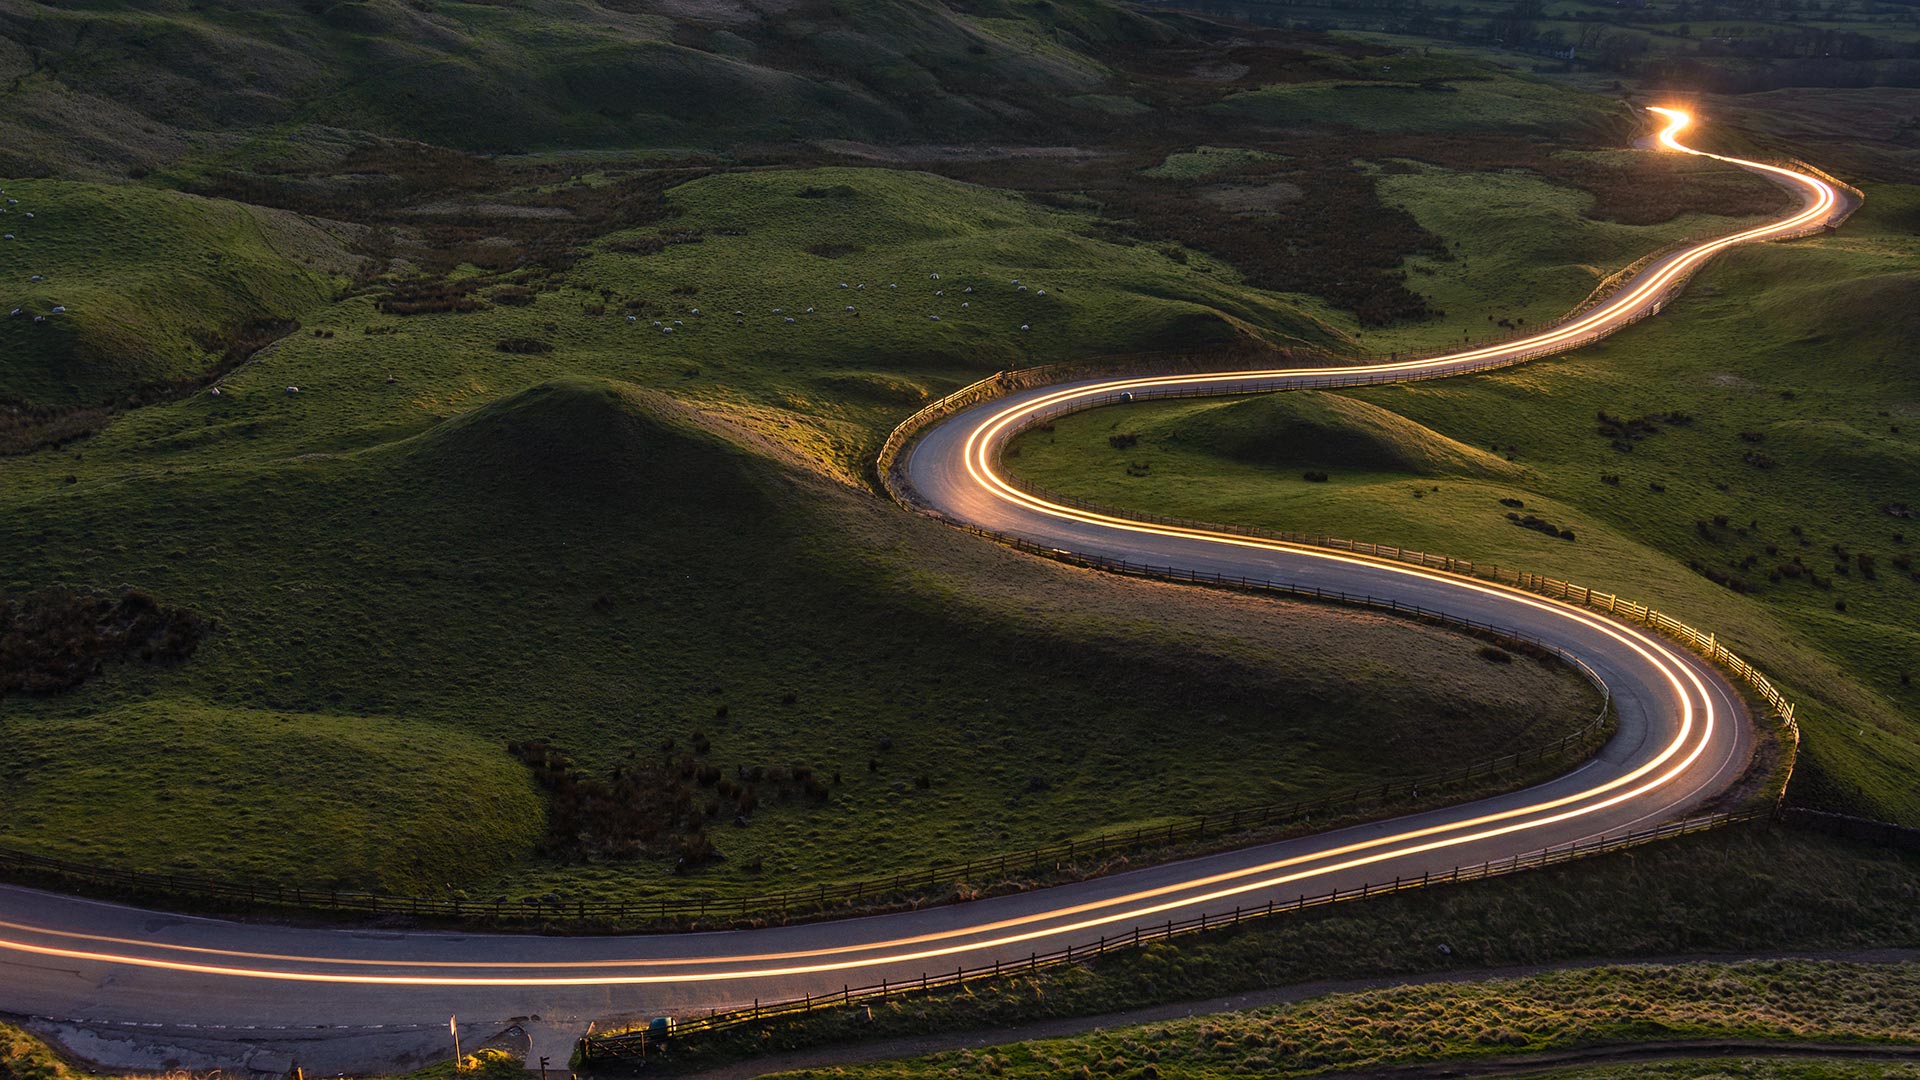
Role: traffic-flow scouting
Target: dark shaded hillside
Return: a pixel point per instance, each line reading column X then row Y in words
column 131, row 83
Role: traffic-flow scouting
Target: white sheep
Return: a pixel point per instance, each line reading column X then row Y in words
column 935, row 318
column 777, row 311
column 38, row 319
column 849, row 307
column 939, row 292
column 677, row 322
column 843, row 284
column 59, row 309
column 968, row 289
column 739, row 314
column 1024, row 327
column 29, row 213
column 936, row 277
column 891, row 285
column 631, row 319
column 292, row 390
column 657, row 324
column 1042, row 292
column 1023, row 288
column 789, row 318
column 9, row 236
column 215, row 392
column 964, row 305
column 809, row 311
column 37, row 277
column 693, row 311
column 14, row 314
column 666, row 329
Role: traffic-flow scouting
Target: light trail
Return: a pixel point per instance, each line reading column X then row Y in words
column 1695, row 727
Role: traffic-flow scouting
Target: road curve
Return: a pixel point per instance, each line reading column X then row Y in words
column 135, row 988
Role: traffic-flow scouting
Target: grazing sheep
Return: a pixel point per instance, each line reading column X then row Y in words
column 215, row 392
column 292, row 390
column 1024, row 327
column 657, row 324
column 666, row 329
column 677, row 322
column 631, row 319
column 936, row 277
column 935, row 318
column 860, row 286
column 964, row 305
column 843, row 284
column 789, row 318
column 38, row 319
column 693, row 311
column 939, row 292
column 891, row 285
column 14, row 314
column 1016, row 281
column 59, row 309
column 849, row 307
column 9, row 236
column 37, row 277
column 809, row 311
column 1042, row 292
column 1023, row 288
column 739, row 314
column 29, row 213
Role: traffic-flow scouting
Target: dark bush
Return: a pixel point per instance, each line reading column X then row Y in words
column 57, row 638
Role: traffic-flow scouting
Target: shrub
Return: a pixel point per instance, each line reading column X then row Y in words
column 1314, row 477
column 1123, row 441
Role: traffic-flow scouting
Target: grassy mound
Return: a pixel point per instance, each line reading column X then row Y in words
column 1331, row 431
column 572, row 442
column 182, row 785
column 156, row 286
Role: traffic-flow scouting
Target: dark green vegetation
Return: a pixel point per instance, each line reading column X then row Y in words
column 523, row 448
column 1746, row 463
column 1763, row 1000
column 479, row 475
column 597, row 565
column 1751, row 889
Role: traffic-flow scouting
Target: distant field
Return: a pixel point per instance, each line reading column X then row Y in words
column 1776, row 440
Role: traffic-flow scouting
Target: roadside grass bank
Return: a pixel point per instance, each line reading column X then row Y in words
column 1750, row 888
column 1740, row 461
column 1460, row 1022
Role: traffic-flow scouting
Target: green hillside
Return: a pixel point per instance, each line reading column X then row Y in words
column 156, row 286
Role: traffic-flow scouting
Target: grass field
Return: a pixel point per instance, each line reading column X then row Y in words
column 593, row 564
column 1775, row 442
column 1382, row 1028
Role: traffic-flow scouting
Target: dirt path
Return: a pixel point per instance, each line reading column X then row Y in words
column 921, row 1045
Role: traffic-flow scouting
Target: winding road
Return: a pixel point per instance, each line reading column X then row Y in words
column 136, row 988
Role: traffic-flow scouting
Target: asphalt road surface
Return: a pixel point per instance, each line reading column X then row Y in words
column 134, row 988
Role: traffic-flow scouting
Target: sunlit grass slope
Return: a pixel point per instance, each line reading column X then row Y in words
column 153, row 283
